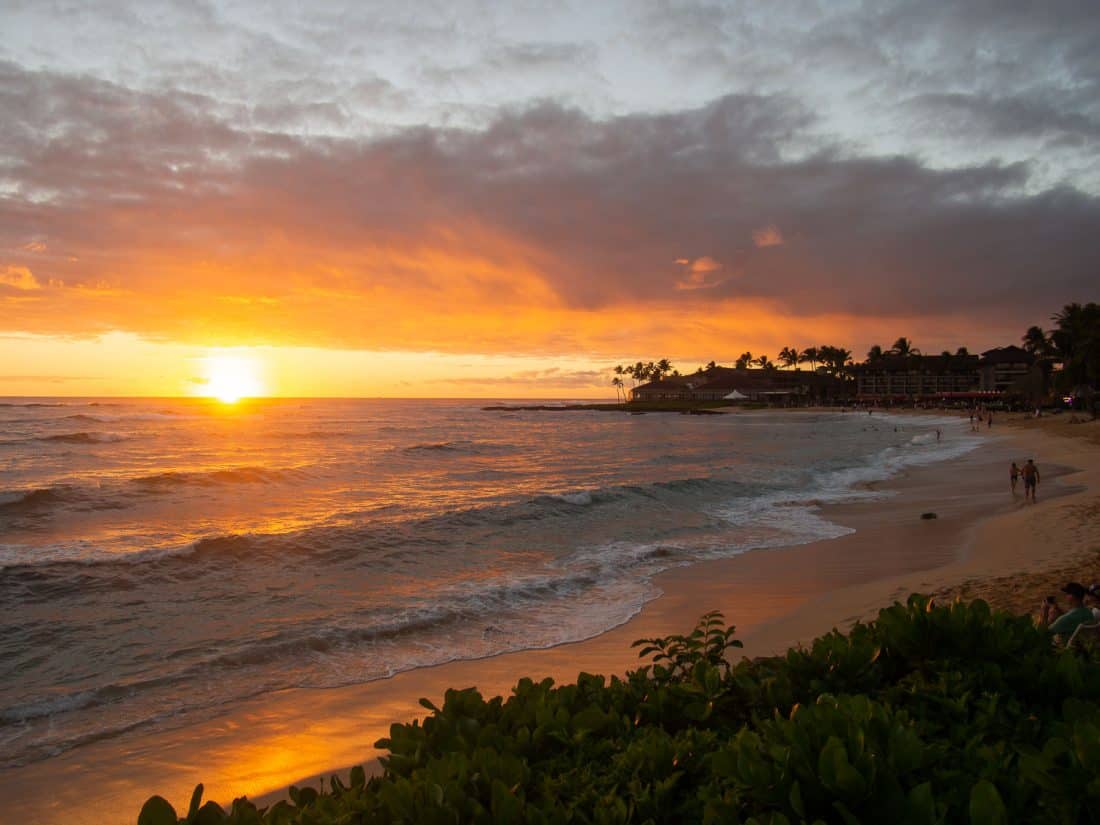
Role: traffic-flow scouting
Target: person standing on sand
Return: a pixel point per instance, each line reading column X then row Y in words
column 990, row 421
column 1031, row 479
column 1014, row 476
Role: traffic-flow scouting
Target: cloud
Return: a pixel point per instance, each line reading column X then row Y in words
column 699, row 273
column 767, row 236
column 18, row 277
column 550, row 378
column 547, row 230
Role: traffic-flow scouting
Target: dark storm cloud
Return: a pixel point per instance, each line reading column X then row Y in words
column 602, row 210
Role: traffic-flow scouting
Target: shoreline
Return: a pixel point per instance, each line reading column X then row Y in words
column 778, row 597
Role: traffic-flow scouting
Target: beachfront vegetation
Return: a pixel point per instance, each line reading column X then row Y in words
column 930, row 714
column 1074, row 343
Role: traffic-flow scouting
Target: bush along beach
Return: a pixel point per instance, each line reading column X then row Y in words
column 929, row 714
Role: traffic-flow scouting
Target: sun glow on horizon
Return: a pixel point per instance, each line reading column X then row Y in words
column 229, row 377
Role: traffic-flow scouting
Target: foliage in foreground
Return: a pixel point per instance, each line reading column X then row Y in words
column 930, row 714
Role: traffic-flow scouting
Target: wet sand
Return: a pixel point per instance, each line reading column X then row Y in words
column 775, row 597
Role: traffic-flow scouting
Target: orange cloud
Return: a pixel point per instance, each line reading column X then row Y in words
column 698, row 272
column 767, row 236
column 545, row 233
column 19, row 277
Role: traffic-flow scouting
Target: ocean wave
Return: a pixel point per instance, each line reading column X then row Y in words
column 34, row 502
column 85, row 438
column 460, row 446
column 41, row 501
column 227, row 475
column 471, row 603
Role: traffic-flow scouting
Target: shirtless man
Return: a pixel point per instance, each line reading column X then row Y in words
column 1031, row 479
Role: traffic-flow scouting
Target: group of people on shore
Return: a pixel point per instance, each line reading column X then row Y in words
column 979, row 417
column 1030, row 474
column 1064, row 623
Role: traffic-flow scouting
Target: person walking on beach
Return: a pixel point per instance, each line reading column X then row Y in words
column 1031, row 479
column 990, row 421
column 1013, row 476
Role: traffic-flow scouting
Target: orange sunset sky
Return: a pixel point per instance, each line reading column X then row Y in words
column 498, row 201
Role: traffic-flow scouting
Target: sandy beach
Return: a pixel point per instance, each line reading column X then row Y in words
column 984, row 543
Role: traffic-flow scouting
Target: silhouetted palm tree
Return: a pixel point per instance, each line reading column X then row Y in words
column 810, row 356
column 1076, row 343
column 789, row 357
column 875, row 353
column 904, row 346
column 1036, row 342
column 743, row 360
column 620, row 390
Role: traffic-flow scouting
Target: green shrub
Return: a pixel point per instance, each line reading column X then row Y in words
column 929, row 714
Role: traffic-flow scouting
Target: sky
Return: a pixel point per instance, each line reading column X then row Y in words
column 505, row 199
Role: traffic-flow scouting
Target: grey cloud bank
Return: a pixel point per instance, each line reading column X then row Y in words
column 910, row 158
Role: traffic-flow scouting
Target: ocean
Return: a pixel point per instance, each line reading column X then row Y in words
column 161, row 560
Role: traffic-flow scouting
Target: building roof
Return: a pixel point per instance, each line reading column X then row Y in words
column 919, row 363
column 1007, row 355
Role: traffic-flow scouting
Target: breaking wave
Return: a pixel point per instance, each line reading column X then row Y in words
column 85, row 438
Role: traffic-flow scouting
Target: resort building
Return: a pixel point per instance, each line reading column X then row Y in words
column 1006, row 369
column 728, row 384
column 908, row 377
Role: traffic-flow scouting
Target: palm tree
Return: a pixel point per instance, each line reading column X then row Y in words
column 711, row 365
column 1076, row 343
column 743, row 360
column 834, row 358
column 875, row 353
column 1036, row 342
column 904, row 346
column 809, row 356
column 620, row 390
column 762, row 361
column 962, row 352
column 789, row 357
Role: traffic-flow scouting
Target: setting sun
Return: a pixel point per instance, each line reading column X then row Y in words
column 230, row 378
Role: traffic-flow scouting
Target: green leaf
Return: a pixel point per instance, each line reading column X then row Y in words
column 795, row 799
column 303, row 796
column 506, row 806
column 986, row 806
column 196, row 801
column 209, row 814
column 157, row 811
column 358, row 777
column 921, row 805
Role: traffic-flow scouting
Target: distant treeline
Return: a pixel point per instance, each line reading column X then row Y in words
column 1070, row 352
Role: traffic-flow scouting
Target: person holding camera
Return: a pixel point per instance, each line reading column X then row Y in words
column 1063, row 624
